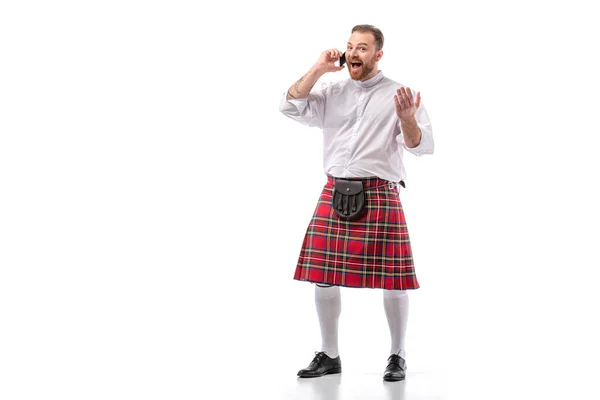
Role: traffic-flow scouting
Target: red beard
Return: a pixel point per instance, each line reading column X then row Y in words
column 360, row 73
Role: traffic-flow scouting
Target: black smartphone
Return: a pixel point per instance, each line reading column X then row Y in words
column 343, row 59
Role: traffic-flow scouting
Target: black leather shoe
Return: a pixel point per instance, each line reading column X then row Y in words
column 321, row 365
column 396, row 369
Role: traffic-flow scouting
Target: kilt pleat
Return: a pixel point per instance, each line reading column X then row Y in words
column 373, row 251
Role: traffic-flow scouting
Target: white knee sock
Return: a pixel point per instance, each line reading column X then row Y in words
column 329, row 308
column 395, row 303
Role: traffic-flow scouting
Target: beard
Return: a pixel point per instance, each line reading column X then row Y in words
column 363, row 71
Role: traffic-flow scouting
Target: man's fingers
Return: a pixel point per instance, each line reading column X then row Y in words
column 334, row 54
column 398, row 98
column 402, row 95
column 406, row 98
column 409, row 96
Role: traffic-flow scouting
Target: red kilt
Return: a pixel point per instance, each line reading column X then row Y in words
column 371, row 252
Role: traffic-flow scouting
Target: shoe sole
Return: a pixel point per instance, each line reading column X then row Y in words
column 331, row 371
column 392, row 379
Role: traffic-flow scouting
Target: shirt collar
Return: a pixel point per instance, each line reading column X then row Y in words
column 369, row 82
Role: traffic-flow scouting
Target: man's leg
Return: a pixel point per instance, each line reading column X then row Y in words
column 395, row 303
column 329, row 307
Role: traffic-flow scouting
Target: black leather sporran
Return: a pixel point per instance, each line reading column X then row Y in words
column 348, row 199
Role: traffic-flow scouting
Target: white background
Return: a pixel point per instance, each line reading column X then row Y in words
column 153, row 200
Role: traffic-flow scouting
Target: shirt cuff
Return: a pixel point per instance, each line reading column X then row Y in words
column 292, row 104
column 425, row 146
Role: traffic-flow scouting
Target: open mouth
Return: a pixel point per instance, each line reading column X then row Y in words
column 355, row 65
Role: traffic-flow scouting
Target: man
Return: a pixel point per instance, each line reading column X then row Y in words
column 358, row 235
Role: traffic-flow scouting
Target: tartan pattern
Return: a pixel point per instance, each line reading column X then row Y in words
column 371, row 252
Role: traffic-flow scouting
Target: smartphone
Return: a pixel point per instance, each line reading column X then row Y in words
column 343, row 59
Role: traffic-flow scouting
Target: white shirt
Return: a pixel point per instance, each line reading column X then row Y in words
column 361, row 131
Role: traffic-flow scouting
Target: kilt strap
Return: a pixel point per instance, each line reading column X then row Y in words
column 367, row 180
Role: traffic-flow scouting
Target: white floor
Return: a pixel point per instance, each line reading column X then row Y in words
column 362, row 382
column 360, row 379
column 249, row 342
column 339, row 386
column 467, row 355
column 505, row 380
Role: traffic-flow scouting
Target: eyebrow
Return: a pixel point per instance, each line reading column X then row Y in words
column 365, row 44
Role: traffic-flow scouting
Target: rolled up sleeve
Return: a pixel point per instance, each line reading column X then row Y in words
column 308, row 111
column 425, row 146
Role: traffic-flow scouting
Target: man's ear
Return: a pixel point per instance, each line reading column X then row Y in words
column 378, row 55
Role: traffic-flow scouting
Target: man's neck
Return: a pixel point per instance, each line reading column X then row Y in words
column 371, row 75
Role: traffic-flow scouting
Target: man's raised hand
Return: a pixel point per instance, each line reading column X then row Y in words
column 406, row 106
column 327, row 59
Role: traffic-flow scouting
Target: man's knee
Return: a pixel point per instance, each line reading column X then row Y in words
column 394, row 294
column 323, row 285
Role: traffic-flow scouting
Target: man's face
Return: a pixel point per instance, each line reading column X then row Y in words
column 362, row 56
